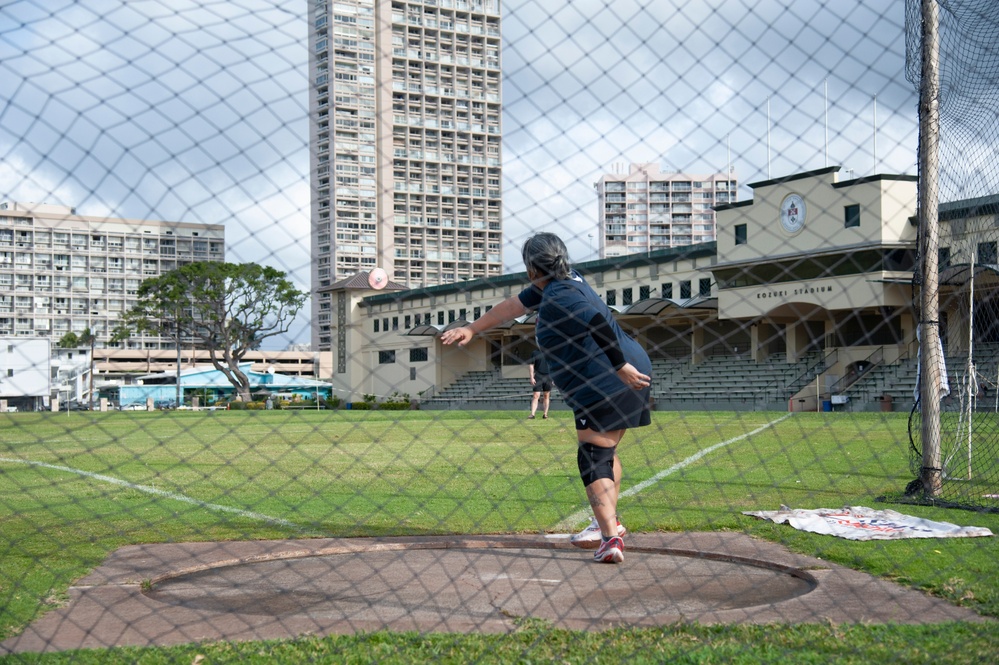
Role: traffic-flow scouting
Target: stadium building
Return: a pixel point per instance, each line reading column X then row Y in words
column 805, row 301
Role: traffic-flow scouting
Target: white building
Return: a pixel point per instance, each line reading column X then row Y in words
column 646, row 209
column 25, row 383
column 61, row 272
column 405, row 139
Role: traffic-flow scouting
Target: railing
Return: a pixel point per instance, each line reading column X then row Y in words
column 876, row 358
column 790, row 382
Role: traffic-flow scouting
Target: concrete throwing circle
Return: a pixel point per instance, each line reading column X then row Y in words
column 471, row 588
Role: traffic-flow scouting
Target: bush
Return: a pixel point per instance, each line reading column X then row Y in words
column 256, row 406
column 237, row 406
column 396, row 402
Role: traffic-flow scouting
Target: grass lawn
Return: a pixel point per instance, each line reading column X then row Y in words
column 74, row 487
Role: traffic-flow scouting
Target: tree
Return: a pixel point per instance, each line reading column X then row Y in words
column 226, row 309
column 88, row 339
column 73, row 341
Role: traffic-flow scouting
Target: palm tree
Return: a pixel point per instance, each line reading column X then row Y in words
column 73, row 341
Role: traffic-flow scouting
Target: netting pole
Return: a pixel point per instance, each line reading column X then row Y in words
column 929, row 118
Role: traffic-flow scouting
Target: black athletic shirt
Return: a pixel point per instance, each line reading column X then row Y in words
column 540, row 363
column 579, row 366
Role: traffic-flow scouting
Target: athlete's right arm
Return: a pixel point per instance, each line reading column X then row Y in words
column 507, row 310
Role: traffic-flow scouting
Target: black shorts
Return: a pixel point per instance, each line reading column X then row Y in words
column 621, row 411
column 542, row 384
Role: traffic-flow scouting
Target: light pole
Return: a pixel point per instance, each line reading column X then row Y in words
column 590, row 236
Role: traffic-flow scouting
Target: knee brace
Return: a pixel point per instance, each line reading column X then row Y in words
column 595, row 462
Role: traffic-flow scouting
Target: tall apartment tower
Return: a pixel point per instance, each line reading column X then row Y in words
column 405, row 143
column 647, row 210
column 61, row 272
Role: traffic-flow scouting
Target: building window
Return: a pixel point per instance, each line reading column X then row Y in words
column 685, row 289
column 852, row 216
column 385, row 325
column 450, row 316
column 419, row 355
column 943, row 257
column 395, row 323
column 704, row 287
column 440, row 318
column 626, row 296
column 426, row 319
column 611, row 297
column 740, row 234
column 406, row 322
column 386, row 357
column 666, row 290
column 476, row 312
column 987, row 253
column 644, row 292
column 376, row 325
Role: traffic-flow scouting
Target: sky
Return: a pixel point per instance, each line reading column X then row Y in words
column 196, row 110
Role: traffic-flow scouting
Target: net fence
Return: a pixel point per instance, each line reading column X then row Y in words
column 240, row 241
column 967, row 240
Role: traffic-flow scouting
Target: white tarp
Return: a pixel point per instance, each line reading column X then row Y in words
column 860, row 523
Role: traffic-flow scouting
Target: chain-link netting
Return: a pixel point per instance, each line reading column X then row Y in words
column 965, row 183
column 291, row 370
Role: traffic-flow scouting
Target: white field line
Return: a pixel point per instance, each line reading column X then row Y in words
column 153, row 490
column 578, row 517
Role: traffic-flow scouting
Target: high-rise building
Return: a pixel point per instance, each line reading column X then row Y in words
column 646, row 209
column 61, row 272
column 405, row 143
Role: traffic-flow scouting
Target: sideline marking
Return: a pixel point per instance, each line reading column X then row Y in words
column 578, row 517
column 163, row 493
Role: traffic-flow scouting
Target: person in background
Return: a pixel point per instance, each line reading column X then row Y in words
column 541, row 383
column 602, row 373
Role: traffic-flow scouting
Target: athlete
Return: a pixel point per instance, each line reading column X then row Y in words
column 541, row 383
column 602, row 373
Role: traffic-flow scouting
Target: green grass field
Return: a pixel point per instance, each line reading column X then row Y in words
column 74, row 487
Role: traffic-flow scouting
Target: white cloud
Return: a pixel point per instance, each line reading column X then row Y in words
column 197, row 109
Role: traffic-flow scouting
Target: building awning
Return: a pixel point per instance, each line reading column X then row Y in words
column 650, row 307
column 425, row 330
column 958, row 275
column 656, row 306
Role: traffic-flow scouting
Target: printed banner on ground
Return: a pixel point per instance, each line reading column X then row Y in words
column 860, row 523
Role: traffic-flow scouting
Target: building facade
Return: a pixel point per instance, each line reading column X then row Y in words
column 646, row 209
column 25, row 380
column 811, row 267
column 61, row 272
column 405, row 139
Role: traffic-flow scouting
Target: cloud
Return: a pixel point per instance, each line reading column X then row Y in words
column 197, row 110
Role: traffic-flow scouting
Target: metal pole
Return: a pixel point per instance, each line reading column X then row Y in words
column 875, row 135
column 768, row 138
column 929, row 121
column 825, row 90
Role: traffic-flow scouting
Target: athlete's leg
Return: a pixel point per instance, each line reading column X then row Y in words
column 602, row 492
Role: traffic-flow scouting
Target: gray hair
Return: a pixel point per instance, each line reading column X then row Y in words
column 546, row 255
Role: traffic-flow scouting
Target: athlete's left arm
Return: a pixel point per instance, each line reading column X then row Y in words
column 603, row 334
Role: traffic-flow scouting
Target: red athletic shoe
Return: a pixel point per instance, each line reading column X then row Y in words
column 611, row 551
